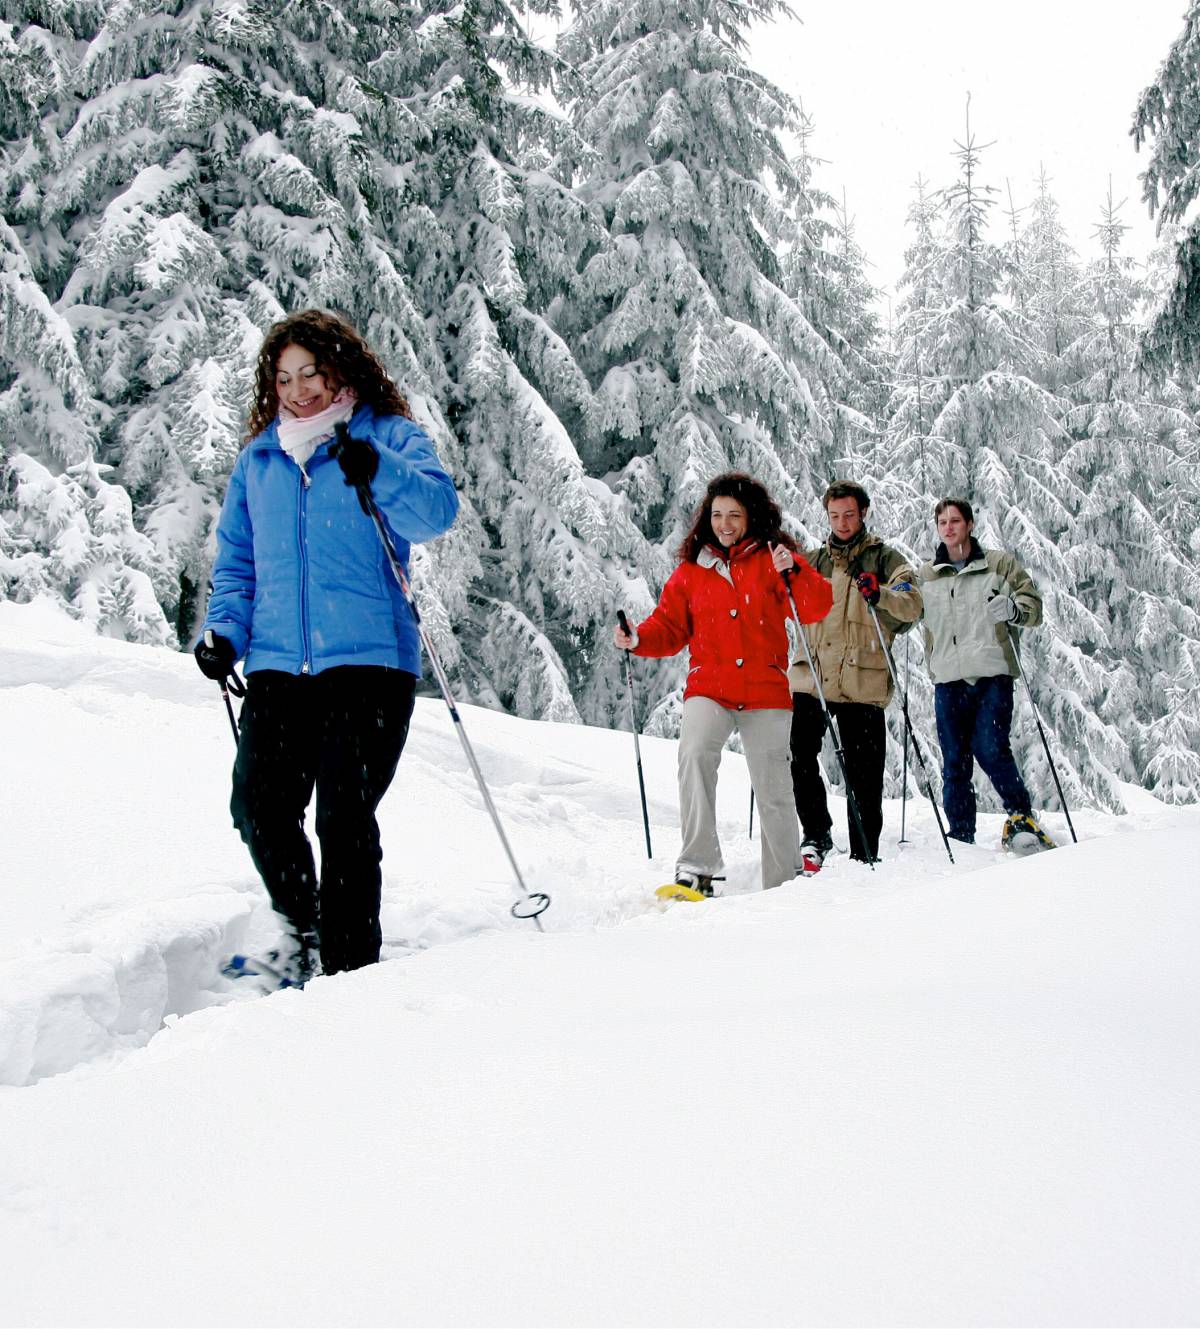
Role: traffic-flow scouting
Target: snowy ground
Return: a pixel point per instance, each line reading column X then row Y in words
column 923, row 1095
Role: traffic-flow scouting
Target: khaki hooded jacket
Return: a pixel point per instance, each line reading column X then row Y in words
column 844, row 643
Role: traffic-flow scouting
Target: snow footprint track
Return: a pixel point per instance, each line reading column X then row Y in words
column 108, row 985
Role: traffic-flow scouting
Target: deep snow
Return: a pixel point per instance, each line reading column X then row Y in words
column 921, row 1095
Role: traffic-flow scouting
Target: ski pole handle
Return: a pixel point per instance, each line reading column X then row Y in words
column 637, row 747
column 239, row 690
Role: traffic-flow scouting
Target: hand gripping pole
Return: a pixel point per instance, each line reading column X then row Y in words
column 231, row 684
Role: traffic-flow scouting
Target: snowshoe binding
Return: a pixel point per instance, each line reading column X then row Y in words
column 290, row 965
column 1022, row 835
column 688, row 886
column 813, row 854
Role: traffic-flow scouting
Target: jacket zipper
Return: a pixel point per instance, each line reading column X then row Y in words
column 301, row 522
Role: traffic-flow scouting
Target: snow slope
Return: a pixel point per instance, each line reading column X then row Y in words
column 925, row 1095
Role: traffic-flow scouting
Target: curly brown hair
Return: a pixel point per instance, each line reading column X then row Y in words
column 342, row 356
column 763, row 515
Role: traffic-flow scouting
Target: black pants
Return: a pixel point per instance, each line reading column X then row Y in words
column 343, row 731
column 863, row 732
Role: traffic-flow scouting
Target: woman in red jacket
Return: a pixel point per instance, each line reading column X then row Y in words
column 727, row 603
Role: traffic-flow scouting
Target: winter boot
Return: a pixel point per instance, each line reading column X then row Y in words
column 688, row 885
column 1022, row 835
column 813, row 854
column 695, row 881
column 296, row 958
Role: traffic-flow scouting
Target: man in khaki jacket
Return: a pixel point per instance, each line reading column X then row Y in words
column 975, row 600
column 865, row 574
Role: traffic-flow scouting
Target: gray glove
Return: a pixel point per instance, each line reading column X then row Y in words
column 1004, row 609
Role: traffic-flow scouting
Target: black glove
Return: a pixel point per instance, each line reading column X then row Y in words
column 868, row 587
column 357, row 458
column 215, row 656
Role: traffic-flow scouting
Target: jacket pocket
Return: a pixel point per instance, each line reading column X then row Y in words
column 800, row 679
column 865, row 675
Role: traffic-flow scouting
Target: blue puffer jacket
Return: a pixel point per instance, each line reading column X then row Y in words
column 300, row 581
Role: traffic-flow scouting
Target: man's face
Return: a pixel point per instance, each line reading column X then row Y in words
column 845, row 517
column 954, row 528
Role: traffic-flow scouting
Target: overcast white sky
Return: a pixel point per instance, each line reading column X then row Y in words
column 1051, row 81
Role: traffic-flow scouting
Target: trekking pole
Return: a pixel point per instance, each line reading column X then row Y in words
column 750, row 832
column 637, row 747
column 887, row 655
column 1062, row 798
column 904, row 767
column 530, row 905
column 830, row 724
column 237, row 687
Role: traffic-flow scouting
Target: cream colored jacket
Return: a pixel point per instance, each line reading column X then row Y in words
column 961, row 641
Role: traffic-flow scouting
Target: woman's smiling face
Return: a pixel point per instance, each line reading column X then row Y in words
column 303, row 389
column 729, row 521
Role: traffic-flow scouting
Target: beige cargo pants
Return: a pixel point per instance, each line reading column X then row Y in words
column 766, row 743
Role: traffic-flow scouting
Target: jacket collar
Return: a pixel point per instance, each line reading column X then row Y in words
column 711, row 556
column 848, row 553
column 942, row 559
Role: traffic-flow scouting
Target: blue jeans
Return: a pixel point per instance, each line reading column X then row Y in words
column 973, row 720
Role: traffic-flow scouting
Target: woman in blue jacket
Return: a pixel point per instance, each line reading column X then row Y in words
column 301, row 590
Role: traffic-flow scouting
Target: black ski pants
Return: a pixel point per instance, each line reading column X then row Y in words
column 342, row 732
column 864, row 733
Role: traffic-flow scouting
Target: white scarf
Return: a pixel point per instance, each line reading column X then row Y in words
column 300, row 436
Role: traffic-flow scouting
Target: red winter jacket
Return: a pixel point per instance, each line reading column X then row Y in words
column 730, row 613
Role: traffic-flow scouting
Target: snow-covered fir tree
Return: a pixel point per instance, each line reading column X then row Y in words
column 1047, row 274
column 200, row 168
column 1168, row 112
column 970, row 416
column 903, row 465
column 491, row 237
column 66, row 530
column 824, row 270
column 1015, row 285
column 1133, row 458
column 860, row 342
column 699, row 358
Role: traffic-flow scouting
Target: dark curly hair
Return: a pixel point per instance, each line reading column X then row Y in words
column 763, row 516
column 342, row 356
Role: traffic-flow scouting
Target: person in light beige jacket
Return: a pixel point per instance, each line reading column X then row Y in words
column 976, row 601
